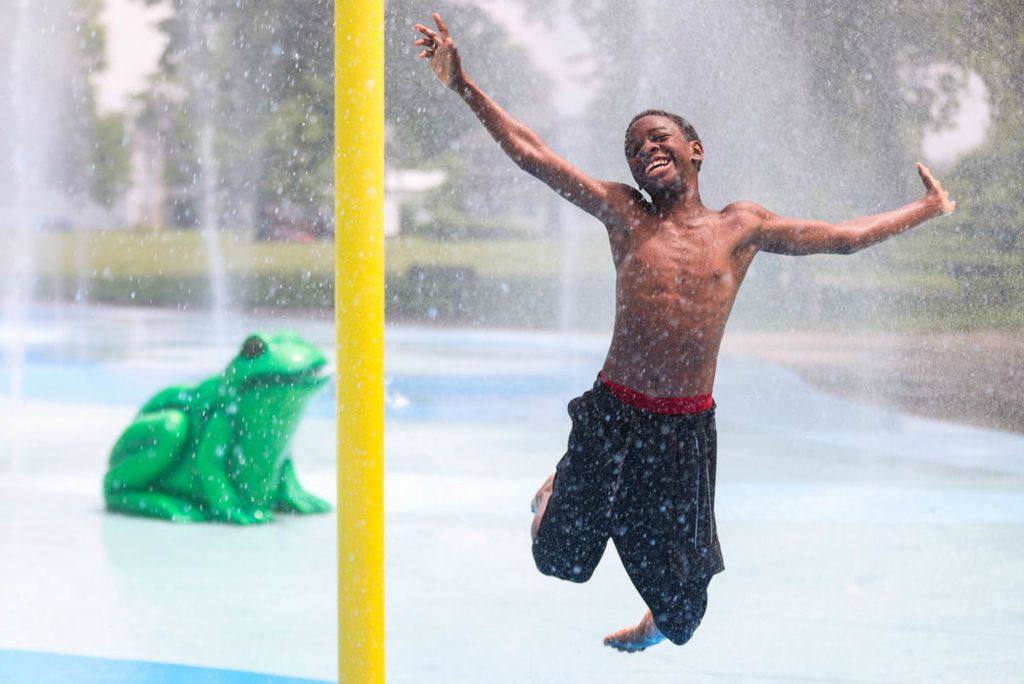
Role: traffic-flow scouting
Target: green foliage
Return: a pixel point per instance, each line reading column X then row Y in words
column 982, row 242
column 258, row 77
column 296, row 166
column 430, row 120
column 98, row 156
column 92, row 39
column 429, row 127
column 54, row 54
column 111, row 158
column 895, row 44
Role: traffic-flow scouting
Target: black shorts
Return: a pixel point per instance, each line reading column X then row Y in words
column 647, row 481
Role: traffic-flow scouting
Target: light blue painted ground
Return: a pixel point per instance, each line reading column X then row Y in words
column 54, row 668
column 860, row 545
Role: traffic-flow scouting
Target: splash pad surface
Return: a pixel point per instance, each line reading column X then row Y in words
column 859, row 543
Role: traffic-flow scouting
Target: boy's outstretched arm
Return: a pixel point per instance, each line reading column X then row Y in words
column 781, row 235
column 520, row 143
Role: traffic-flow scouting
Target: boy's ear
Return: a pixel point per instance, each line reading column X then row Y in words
column 696, row 150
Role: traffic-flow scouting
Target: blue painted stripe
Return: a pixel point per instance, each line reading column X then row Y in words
column 31, row 667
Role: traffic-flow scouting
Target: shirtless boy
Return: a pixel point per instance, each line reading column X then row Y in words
column 640, row 465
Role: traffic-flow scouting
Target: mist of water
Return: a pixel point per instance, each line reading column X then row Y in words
column 22, row 175
column 27, row 150
column 199, row 49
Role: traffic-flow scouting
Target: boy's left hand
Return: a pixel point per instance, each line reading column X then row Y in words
column 934, row 192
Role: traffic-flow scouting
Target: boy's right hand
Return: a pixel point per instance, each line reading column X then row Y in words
column 440, row 49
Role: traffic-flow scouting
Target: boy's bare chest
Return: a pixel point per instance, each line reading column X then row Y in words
column 676, row 257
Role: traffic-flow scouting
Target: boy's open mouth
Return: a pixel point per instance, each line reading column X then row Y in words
column 656, row 166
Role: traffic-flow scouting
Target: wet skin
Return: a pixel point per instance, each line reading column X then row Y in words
column 679, row 265
column 677, row 271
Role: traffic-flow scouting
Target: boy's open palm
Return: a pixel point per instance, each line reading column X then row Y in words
column 440, row 49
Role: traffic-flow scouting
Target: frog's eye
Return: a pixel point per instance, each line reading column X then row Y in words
column 253, row 348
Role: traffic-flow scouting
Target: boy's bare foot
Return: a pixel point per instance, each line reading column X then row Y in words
column 540, row 503
column 637, row 638
column 543, row 493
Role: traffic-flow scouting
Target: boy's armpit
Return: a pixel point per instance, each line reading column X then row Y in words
column 750, row 218
column 798, row 237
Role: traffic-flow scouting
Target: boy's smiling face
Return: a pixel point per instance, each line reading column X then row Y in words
column 659, row 155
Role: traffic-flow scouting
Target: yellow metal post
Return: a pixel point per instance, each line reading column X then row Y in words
column 359, row 306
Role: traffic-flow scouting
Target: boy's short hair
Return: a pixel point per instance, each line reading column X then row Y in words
column 689, row 132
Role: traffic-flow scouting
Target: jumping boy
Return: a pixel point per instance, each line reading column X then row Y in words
column 640, row 464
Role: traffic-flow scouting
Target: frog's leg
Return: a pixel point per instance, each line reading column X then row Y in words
column 148, row 448
column 222, row 501
column 154, row 505
column 292, row 498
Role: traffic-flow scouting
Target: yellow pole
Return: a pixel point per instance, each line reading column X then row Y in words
column 359, row 306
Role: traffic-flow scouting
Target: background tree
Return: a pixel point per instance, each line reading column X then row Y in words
column 429, row 127
column 84, row 153
column 100, row 152
column 987, row 37
column 259, row 78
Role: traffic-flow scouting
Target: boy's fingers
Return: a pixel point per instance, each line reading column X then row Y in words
column 934, row 186
column 440, row 24
column 428, row 33
column 926, row 176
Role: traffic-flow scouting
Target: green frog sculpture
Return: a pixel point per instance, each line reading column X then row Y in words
column 220, row 450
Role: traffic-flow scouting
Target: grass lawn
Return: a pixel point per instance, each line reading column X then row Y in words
column 121, row 254
column 943, row 284
column 166, row 253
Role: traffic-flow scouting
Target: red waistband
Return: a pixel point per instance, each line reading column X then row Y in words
column 667, row 405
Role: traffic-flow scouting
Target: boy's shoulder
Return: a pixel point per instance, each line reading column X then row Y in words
column 745, row 208
column 621, row 204
column 627, row 193
column 745, row 215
